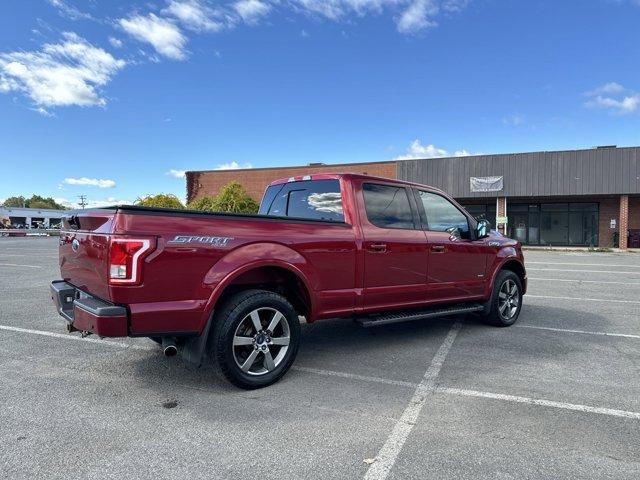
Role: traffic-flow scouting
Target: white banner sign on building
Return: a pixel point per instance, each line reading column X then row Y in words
column 486, row 184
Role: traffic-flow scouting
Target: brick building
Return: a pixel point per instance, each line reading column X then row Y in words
column 574, row 197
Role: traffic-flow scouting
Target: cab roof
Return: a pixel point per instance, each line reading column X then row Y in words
column 349, row 176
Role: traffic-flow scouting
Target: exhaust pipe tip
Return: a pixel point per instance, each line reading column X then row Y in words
column 169, row 347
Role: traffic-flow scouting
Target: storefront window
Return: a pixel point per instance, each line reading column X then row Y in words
column 483, row 212
column 554, row 223
column 546, row 223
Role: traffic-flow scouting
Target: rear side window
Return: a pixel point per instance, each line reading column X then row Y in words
column 313, row 199
column 387, row 206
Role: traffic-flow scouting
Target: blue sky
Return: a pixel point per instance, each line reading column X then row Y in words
column 114, row 100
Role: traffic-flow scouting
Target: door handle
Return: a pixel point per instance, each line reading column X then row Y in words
column 437, row 248
column 377, row 247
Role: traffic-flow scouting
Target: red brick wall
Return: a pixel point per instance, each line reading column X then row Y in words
column 623, row 226
column 255, row 180
column 609, row 208
column 502, row 211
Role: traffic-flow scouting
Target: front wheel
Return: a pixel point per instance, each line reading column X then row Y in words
column 506, row 300
column 256, row 335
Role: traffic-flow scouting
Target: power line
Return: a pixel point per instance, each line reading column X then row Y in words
column 83, row 201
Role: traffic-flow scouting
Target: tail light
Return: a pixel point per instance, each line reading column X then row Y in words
column 125, row 259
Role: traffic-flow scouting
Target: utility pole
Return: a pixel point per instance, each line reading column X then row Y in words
column 83, row 201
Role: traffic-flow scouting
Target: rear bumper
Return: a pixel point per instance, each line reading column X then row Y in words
column 87, row 313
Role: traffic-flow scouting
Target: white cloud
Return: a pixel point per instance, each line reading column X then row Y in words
column 628, row 104
column 608, row 88
column 613, row 97
column 251, row 10
column 175, row 173
column 70, row 11
column 514, row 120
column 233, row 166
column 59, row 74
column 115, row 42
column 194, row 15
column 94, row 182
column 418, row 150
column 161, row 29
column 455, row 5
column 107, row 203
column 90, row 203
column 461, row 153
column 43, row 111
column 418, row 16
column 411, row 16
column 163, row 35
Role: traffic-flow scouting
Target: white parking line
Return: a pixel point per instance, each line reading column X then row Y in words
column 581, row 264
column 391, row 449
column 352, row 376
column 23, row 255
column 585, row 332
column 582, row 281
column 606, row 300
column 68, row 336
column 18, row 265
column 425, row 386
column 544, row 403
column 581, row 271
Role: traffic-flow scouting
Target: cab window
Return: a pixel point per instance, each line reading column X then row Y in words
column 312, row 199
column 387, row 206
column 443, row 216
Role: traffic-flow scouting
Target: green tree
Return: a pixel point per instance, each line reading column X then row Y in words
column 204, row 204
column 36, row 201
column 161, row 200
column 15, row 202
column 231, row 198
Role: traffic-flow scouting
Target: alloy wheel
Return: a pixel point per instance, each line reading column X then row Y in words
column 508, row 299
column 261, row 341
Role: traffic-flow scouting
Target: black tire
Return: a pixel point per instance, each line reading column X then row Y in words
column 498, row 315
column 235, row 316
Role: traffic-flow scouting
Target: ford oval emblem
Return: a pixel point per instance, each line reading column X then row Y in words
column 75, row 245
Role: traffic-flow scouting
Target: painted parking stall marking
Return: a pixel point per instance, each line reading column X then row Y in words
column 583, row 332
column 543, row 403
column 569, row 280
column 581, row 271
column 67, row 336
column 550, row 297
column 389, row 452
column 582, row 264
column 18, row 265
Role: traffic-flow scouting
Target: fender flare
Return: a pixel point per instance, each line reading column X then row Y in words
column 508, row 258
column 258, row 255
column 230, row 267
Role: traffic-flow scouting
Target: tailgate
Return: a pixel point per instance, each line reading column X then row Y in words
column 84, row 250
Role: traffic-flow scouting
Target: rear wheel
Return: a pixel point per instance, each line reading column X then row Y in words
column 506, row 300
column 256, row 335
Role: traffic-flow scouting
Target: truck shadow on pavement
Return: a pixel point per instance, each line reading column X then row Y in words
column 391, row 351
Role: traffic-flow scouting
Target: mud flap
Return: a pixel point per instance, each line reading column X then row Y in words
column 194, row 350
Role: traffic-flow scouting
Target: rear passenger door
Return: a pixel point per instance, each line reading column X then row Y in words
column 457, row 262
column 395, row 247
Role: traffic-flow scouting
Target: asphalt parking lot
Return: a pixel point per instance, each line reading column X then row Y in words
column 556, row 396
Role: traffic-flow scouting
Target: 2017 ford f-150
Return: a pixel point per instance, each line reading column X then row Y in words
column 232, row 287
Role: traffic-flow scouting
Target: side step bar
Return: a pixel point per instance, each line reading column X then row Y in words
column 406, row 316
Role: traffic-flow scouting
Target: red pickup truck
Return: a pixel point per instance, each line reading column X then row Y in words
column 233, row 287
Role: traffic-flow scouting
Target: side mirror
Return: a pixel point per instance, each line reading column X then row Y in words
column 482, row 229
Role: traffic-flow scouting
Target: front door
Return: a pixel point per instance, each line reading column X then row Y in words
column 395, row 248
column 457, row 263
